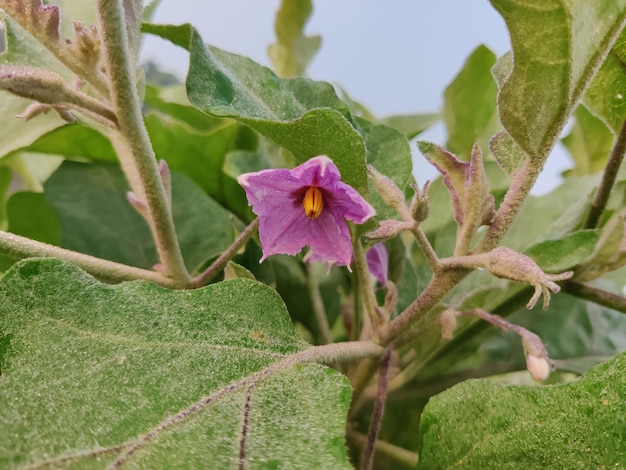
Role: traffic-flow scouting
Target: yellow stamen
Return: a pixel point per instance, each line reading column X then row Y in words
column 313, row 202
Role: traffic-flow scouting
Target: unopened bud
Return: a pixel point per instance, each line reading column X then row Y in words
column 388, row 229
column 538, row 367
column 388, row 190
column 448, row 321
column 420, row 206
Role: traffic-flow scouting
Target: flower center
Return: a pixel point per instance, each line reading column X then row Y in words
column 313, row 202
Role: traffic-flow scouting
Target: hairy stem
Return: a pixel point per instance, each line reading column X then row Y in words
column 367, row 457
column 21, row 247
column 426, row 247
column 399, row 454
column 521, row 185
column 436, row 289
column 221, row 262
column 326, row 336
column 598, row 296
column 125, row 100
column 608, row 179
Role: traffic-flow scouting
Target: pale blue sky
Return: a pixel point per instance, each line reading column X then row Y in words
column 396, row 57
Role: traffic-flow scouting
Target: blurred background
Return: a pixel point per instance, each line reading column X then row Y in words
column 393, row 57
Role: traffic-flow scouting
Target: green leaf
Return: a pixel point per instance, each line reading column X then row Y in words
column 606, row 96
column 469, row 106
column 23, row 49
column 563, row 254
column 201, row 156
column 5, row 181
column 301, row 115
column 557, row 47
column 552, row 215
column 589, row 143
column 506, row 152
column 173, row 102
column 236, row 271
column 411, row 125
column 74, row 141
column 97, row 219
column 575, row 425
column 89, row 369
column 30, row 215
column 293, row 50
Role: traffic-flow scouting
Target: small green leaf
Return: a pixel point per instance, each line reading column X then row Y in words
column 236, row 271
column 293, row 50
column 589, row 143
column 575, row 425
column 507, row 153
column 469, row 106
column 557, row 47
column 90, row 369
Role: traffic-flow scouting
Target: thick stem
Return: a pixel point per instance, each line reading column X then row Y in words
column 608, row 179
column 367, row 457
column 325, row 336
column 436, row 289
column 598, row 296
column 521, row 185
column 127, row 107
column 221, row 262
column 21, row 247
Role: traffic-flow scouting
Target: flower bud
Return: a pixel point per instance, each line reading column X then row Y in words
column 388, row 229
column 388, row 190
column 448, row 321
column 420, row 205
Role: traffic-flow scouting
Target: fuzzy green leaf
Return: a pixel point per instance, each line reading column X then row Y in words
column 576, row 425
column 557, row 47
column 301, row 115
column 506, row 152
column 90, row 369
column 293, row 50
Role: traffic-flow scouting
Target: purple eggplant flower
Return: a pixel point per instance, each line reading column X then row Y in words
column 377, row 262
column 306, row 206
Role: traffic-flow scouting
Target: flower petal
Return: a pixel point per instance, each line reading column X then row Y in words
column 377, row 262
column 268, row 189
column 347, row 202
column 318, row 171
column 329, row 239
